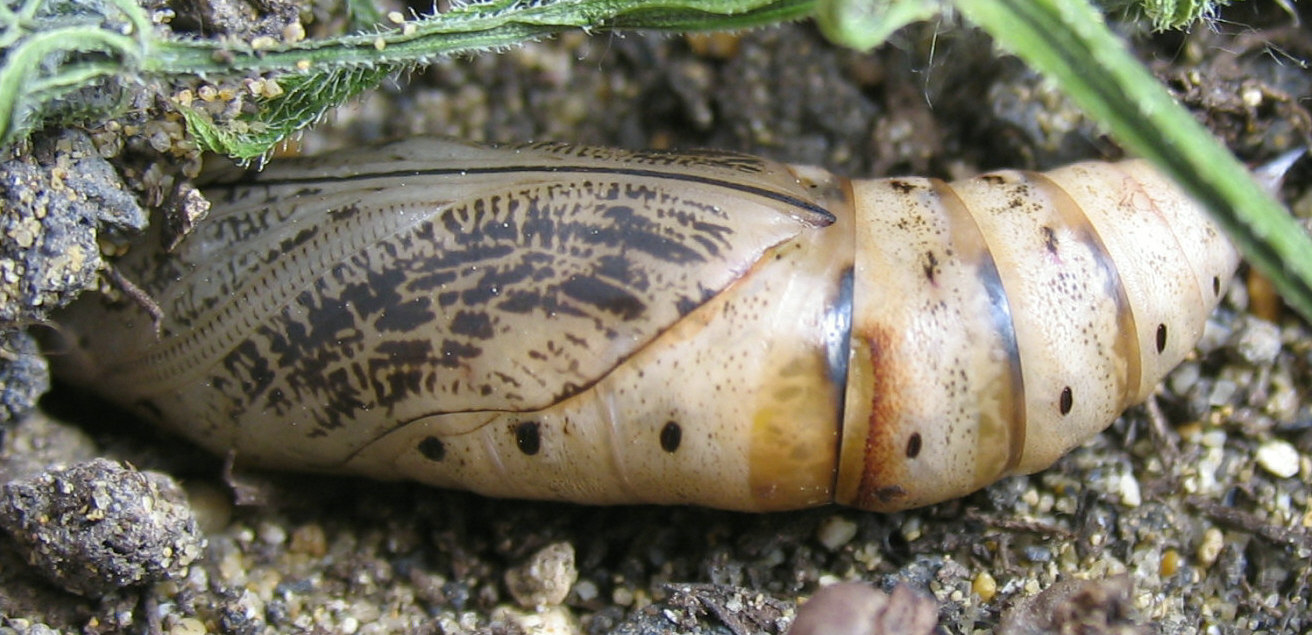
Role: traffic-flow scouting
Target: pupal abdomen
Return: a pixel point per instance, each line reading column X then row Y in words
column 609, row 327
column 1002, row 320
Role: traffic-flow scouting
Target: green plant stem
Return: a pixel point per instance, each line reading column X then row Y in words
column 487, row 27
column 1068, row 40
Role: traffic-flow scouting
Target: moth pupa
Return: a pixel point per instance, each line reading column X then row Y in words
column 603, row 326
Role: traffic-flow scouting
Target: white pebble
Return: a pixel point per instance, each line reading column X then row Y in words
column 1278, row 457
column 835, row 531
column 586, row 590
column 1209, row 549
column 349, row 625
column 1259, row 343
column 1184, row 377
column 1214, row 438
column 546, row 578
column 1222, row 392
column 272, row 534
column 187, row 626
column 1129, row 489
column 550, row 620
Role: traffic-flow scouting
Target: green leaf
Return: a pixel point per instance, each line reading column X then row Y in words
column 304, row 100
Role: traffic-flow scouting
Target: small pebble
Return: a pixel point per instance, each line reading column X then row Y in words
column 1214, row 438
column 1037, row 553
column 1278, row 457
column 554, row 620
column 586, row 590
column 546, row 578
column 622, row 596
column 1252, row 96
column 1184, row 377
column 1223, row 392
column 1259, row 342
column 272, row 534
column 1170, row 563
column 835, row 531
column 1129, row 490
column 1209, row 549
column 310, row 540
column 188, row 626
column 349, row 625
column 984, row 585
column 912, row 528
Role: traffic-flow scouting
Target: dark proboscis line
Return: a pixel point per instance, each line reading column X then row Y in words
column 786, row 199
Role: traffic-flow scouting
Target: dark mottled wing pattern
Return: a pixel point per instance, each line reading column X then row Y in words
column 433, row 277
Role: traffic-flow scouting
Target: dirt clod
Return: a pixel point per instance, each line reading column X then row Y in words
column 100, row 526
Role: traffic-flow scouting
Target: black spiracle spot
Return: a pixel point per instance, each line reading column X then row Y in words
column 1216, row 286
column 913, row 446
column 1067, row 400
column 432, row 448
column 671, row 436
column 528, row 437
column 1161, row 337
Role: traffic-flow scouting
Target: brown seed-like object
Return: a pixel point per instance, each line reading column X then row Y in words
column 853, row 608
column 603, row 326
